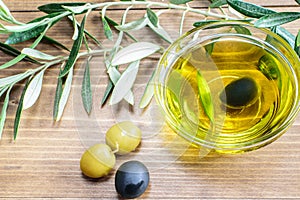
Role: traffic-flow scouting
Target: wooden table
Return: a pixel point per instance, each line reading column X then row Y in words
column 44, row 160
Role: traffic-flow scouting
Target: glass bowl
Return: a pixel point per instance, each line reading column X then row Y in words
column 229, row 86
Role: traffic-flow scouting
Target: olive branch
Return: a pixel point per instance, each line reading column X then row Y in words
column 120, row 84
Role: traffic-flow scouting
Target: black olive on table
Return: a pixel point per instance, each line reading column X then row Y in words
column 132, row 179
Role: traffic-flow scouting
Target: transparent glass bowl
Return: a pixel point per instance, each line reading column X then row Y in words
column 228, row 86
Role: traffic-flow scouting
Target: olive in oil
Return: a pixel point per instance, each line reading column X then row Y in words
column 253, row 76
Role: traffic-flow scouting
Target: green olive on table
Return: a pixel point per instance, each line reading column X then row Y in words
column 123, row 137
column 97, row 161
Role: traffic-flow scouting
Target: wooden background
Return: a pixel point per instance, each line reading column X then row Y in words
column 44, row 161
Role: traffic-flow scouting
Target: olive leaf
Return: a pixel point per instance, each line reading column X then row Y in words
column 297, row 44
column 108, row 90
column 204, row 22
column 6, row 15
column 20, row 109
column 75, row 33
column 133, row 52
column 242, row 30
column 115, row 24
column 153, row 18
column 217, row 3
column 57, row 7
column 86, row 89
column 58, row 93
column 160, row 31
column 54, row 42
column 177, row 2
column 107, row 30
column 114, row 76
column 85, row 31
column 75, row 49
column 277, row 19
column 125, row 82
column 249, row 9
column 35, row 31
column 37, row 54
column 33, row 90
column 148, row 92
column 22, row 56
column 285, row 34
column 76, row 9
column 133, row 25
column 64, row 95
column 205, row 96
column 4, row 110
column 15, row 52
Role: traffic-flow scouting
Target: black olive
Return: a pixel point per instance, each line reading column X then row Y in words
column 132, row 179
column 240, row 92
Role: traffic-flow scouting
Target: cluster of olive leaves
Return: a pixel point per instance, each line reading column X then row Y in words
column 120, row 84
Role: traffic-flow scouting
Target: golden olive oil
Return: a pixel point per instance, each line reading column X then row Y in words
column 222, row 63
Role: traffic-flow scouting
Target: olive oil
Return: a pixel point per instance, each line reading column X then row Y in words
column 246, row 83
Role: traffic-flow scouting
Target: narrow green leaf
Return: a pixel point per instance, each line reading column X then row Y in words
column 86, row 89
column 37, row 54
column 54, row 42
column 205, row 97
column 133, row 52
column 152, row 17
column 125, row 82
column 133, row 25
column 6, row 14
column 160, row 31
column 75, row 49
column 77, row 9
column 22, row 36
column 19, row 110
column 277, row 19
column 249, row 9
column 209, row 48
column 298, row 39
column 242, row 30
column 204, row 22
column 108, row 91
column 57, row 7
column 218, row 3
column 177, row 2
column 75, row 34
column 107, row 30
column 298, row 1
column 297, row 44
column 33, row 91
column 113, row 23
column 86, row 32
column 65, row 94
column 3, row 112
column 148, row 92
column 22, row 56
column 285, row 34
column 15, row 52
column 6, row 81
column 58, row 93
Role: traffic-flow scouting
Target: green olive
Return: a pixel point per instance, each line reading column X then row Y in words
column 123, row 137
column 97, row 161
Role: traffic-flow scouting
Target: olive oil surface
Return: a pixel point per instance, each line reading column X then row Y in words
column 222, row 63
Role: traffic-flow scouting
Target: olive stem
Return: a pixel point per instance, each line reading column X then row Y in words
column 117, row 149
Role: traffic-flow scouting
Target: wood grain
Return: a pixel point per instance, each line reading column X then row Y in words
column 44, row 161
